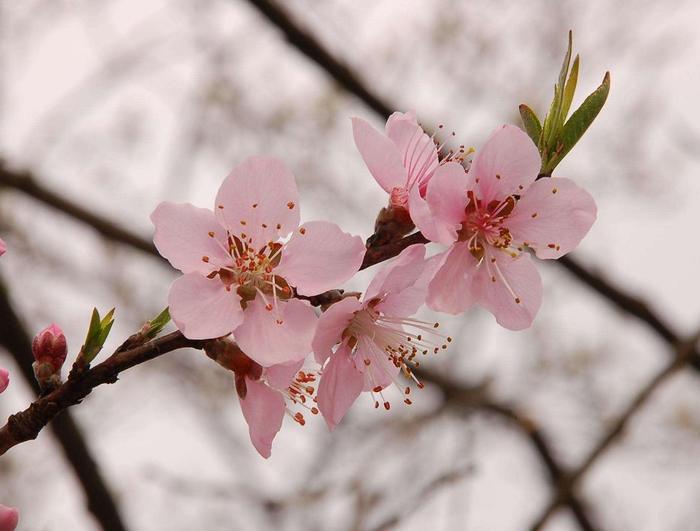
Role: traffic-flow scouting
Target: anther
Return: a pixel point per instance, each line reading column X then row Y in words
column 205, row 259
column 302, row 230
column 211, row 234
column 554, row 190
column 290, row 205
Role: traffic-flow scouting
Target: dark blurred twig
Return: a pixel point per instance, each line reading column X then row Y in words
column 15, row 339
column 25, row 182
column 307, row 44
column 567, row 484
column 463, row 399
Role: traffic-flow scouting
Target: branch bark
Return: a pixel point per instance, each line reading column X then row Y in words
column 100, row 502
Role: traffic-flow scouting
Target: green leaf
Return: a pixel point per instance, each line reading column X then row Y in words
column 579, row 122
column 555, row 117
column 569, row 89
column 156, row 325
column 96, row 336
column 531, row 123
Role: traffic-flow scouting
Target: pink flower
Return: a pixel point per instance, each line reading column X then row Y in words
column 401, row 159
column 264, row 391
column 489, row 217
column 4, row 379
column 9, row 518
column 239, row 276
column 3, row 247
column 376, row 336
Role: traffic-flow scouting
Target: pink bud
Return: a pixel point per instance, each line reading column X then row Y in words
column 3, row 247
column 4, row 379
column 49, row 346
column 9, row 518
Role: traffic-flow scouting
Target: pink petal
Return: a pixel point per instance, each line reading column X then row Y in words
column 260, row 200
column 9, row 518
column 380, row 154
column 401, row 286
column 280, row 376
column 3, row 247
column 418, row 151
column 182, row 236
column 507, row 164
column 446, row 199
column 281, row 335
column 341, row 383
column 202, row 308
column 563, row 214
column 515, row 306
column 452, row 288
column 4, row 379
column 380, row 371
column 331, row 325
column 263, row 409
column 319, row 256
column 396, row 118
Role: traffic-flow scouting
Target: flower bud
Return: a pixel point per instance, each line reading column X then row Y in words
column 49, row 346
column 3, row 247
column 4, row 379
column 50, row 349
column 9, row 518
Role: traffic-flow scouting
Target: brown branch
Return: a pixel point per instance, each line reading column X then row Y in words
column 462, row 399
column 25, row 182
column 566, row 487
column 308, row 45
column 15, row 339
column 26, row 425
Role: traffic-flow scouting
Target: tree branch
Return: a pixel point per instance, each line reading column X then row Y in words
column 566, row 486
column 26, row 425
column 15, row 339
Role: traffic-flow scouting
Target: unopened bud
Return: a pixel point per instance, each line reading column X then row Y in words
column 49, row 346
column 9, row 518
column 50, row 349
column 4, row 379
column 3, row 247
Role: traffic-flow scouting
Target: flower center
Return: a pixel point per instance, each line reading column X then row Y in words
column 396, row 341
column 483, row 225
column 251, row 272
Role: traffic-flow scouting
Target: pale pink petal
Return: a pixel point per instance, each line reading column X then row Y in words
column 553, row 216
column 260, row 201
column 183, row 237
column 9, row 518
column 263, row 409
column 402, row 285
column 320, row 256
column 446, row 199
column 397, row 117
column 331, row 325
column 380, row 154
column 202, row 308
column 418, row 151
column 280, row 335
column 341, row 383
column 507, row 164
column 380, row 371
column 280, row 376
column 398, row 274
column 510, row 288
column 3, row 247
column 4, row 379
column 452, row 288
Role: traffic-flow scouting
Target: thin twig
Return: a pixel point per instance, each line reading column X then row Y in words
column 14, row 338
column 684, row 353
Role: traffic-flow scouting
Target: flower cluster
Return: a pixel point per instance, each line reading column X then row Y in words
column 250, row 270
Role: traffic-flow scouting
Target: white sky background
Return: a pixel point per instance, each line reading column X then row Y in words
column 120, row 105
